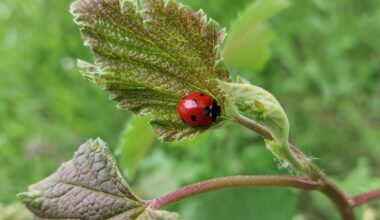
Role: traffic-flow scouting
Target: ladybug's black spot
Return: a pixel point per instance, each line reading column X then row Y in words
column 202, row 94
column 194, row 100
column 193, row 117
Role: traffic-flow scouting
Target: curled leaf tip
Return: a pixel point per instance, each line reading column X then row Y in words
column 257, row 104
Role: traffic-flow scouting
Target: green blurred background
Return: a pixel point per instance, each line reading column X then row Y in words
column 319, row 57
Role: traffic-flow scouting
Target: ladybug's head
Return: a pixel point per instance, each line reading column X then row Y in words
column 215, row 110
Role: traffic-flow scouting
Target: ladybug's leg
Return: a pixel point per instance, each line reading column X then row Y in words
column 215, row 110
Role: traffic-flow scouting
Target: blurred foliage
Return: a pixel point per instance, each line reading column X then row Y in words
column 15, row 211
column 326, row 73
column 325, row 70
column 251, row 34
column 136, row 139
column 358, row 180
column 46, row 108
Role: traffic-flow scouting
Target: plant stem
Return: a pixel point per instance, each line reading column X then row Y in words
column 261, row 130
column 230, row 182
column 313, row 171
column 365, row 197
column 329, row 188
column 294, row 160
column 341, row 201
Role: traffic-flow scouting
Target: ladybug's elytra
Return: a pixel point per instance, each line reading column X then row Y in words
column 198, row 109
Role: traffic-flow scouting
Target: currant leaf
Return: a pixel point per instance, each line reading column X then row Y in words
column 87, row 187
column 148, row 57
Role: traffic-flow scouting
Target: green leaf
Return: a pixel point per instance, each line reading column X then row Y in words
column 149, row 57
column 136, row 140
column 359, row 180
column 257, row 104
column 248, row 43
column 87, row 187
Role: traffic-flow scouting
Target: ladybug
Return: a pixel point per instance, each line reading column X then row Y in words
column 198, row 109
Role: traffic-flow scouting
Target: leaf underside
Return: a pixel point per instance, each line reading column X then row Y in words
column 88, row 187
column 148, row 58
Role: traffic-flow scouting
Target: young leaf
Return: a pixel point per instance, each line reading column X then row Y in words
column 132, row 145
column 248, row 42
column 262, row 107
column 87, row 187
column 259, row 105
column 149, row 57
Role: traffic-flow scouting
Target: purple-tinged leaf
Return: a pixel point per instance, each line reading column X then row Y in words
column 87, row 187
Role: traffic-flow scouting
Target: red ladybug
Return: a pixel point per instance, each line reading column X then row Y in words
column 198, row 109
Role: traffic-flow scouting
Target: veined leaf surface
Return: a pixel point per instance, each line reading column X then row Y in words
column 149, row 57
column 88, row 187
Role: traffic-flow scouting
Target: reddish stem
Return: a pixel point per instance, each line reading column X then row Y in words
column 365, row 197
column 339, row 198
column 230, row 182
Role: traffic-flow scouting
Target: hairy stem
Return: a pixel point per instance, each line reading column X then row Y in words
column 329, row 188
column 296, row 162
column 365, row 197
column 312, row 170
column 233, row 181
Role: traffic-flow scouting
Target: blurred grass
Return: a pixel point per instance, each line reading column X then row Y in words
column 325, row 70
